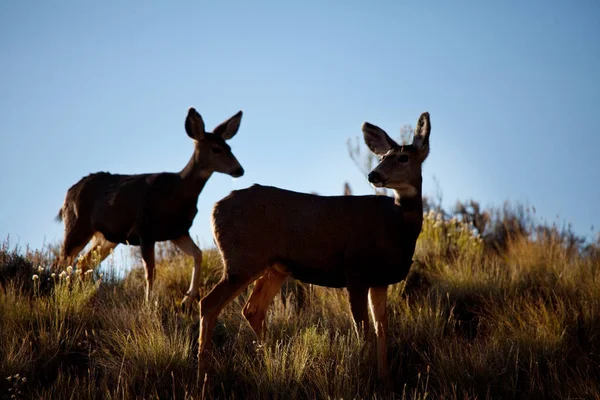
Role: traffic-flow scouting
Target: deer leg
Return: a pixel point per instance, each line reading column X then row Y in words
column 359, row 307
column 377, row 304
column 212, row 304
column 101, row 246
column 264, row 291
column 187, row 245
column 148, row 258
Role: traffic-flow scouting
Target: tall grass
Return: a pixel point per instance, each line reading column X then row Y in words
column 467, row 323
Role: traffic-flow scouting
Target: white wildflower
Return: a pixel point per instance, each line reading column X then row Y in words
column 40, row 269
column 35, row 277
column 69, row 270
column 53, row 275
column 62, row 274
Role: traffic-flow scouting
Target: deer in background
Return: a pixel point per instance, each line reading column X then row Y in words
column 143, row 209
column 363, row 243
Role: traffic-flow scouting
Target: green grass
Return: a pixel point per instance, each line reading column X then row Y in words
column 468, row 323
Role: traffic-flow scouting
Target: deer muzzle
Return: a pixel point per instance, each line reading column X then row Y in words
column 238, row 172
column 375, row 178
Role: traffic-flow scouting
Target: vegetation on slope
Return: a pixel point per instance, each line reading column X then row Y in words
column 473, row 320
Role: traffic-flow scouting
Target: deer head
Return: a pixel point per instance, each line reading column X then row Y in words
column 399, row 167
column 211, row 152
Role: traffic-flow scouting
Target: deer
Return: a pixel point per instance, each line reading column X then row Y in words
column 142, row 209
column 363, row 243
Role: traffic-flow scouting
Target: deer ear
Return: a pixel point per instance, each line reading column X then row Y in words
column 194, row 125
column 377, row 140
column 421, row 138
column 229, row 128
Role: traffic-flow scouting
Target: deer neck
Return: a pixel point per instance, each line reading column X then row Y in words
column 194, row 177
column 412, row 210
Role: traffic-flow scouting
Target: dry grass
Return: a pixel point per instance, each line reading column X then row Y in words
column 467, row 324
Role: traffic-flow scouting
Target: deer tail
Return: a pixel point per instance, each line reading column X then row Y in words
column 59, row 217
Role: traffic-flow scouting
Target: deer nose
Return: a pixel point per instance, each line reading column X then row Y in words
column 374, row 177
column 238, row 172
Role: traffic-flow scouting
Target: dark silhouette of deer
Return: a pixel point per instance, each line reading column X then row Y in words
column 363, row 243
column 144, row 209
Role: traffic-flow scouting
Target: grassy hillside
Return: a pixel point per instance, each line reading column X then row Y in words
column 523, row 322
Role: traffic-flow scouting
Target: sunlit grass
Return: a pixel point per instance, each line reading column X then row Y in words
column 468, row 324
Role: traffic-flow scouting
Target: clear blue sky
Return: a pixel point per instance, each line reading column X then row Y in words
column 513, row 89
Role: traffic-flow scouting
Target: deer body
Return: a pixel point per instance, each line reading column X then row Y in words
column 326, row 240
column 127, row 208
column 143, row 209
column 363, row 243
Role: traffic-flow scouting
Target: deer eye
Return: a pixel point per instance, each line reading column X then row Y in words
column 403, row 158
column 217, row 150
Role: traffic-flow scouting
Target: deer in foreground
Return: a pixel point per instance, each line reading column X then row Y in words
column 363, row 243
column 143, row 209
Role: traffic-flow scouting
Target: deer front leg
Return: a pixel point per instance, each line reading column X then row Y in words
column 148, row 258
column 359, row 307
column 378, row 306
column 187, row 245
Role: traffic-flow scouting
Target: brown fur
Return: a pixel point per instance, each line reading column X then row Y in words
column 147, row 208
column 364, row 243
column 318, row 242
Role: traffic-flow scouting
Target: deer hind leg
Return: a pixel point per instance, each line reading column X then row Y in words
column 211, row 305
column 102, row 249
column 187, row 245
column 148, row 258
column 377, row 304
column 77, row 235
column 265, row 289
